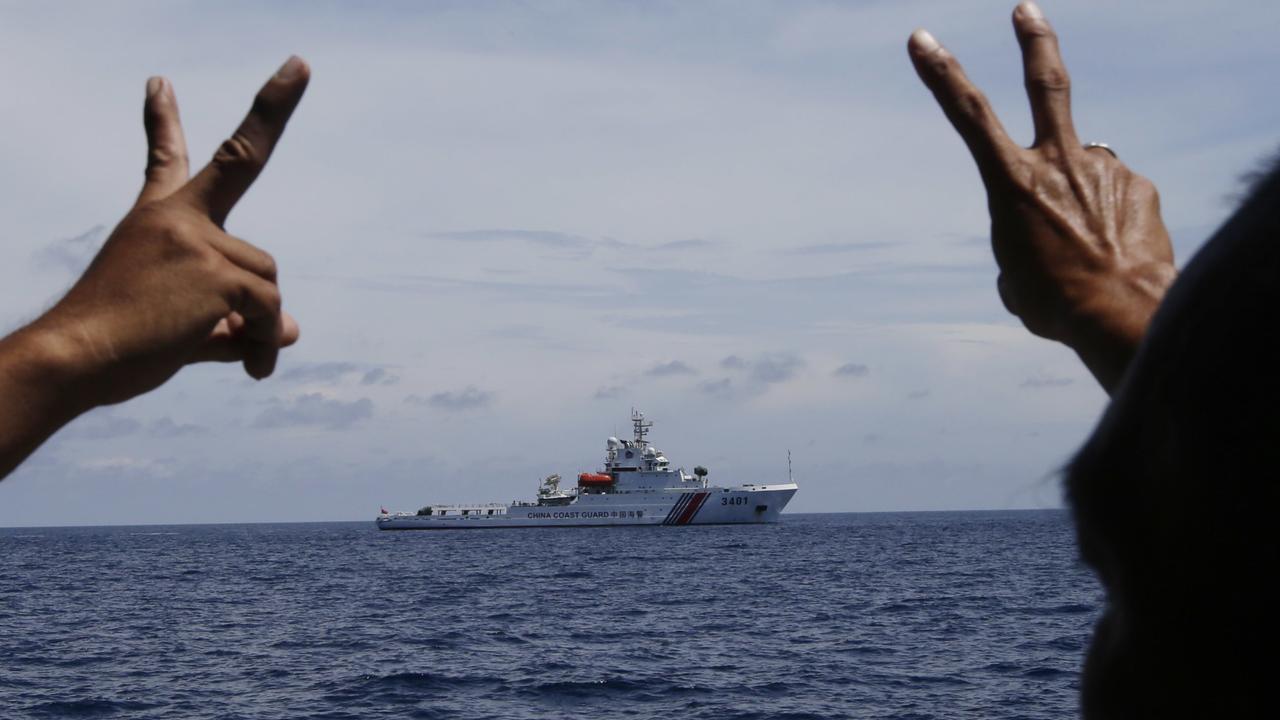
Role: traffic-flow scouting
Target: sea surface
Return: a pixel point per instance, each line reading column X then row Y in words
column 897, row 615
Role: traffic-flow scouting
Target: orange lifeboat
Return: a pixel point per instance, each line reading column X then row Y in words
column 595, row 479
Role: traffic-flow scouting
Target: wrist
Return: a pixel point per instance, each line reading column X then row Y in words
column 1120, row 304
column 1110, row 317
column 39, row 392
column 51, row 365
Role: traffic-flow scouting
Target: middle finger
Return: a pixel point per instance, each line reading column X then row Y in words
column 1048, row 85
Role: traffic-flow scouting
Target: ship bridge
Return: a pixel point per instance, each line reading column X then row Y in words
column 636, row 466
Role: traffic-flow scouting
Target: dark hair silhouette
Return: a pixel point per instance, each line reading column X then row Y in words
column 1177, row 494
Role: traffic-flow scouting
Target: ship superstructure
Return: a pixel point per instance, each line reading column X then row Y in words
column 635, row 486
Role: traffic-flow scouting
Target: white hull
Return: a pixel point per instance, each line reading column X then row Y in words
column 747, row 504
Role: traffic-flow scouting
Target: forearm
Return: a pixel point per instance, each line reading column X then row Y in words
column 38, row 392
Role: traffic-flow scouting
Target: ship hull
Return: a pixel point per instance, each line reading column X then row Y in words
column 751, row 504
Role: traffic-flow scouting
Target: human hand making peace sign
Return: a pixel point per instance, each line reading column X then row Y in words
column 1084, row 256
column 170, row 286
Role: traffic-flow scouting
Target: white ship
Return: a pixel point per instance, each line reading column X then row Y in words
column 636, row 487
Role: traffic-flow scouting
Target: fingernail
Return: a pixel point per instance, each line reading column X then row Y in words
column 291, row 68
column 924, row 41
column 1030, row 10
column 154, row 86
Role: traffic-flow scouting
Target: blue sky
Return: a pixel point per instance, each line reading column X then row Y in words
column 502, row 225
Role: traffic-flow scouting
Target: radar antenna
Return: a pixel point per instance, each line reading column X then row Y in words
column 640, row 426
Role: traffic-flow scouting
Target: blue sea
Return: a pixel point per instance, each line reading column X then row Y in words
column 896, row 615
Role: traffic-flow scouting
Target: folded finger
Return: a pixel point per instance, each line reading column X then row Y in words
column 221, row 183
column 226, row 343
column 222, row 345
column 258, row 301
column 167, row 167
column 963, row 104
column 1047, row 81
column 245, row 255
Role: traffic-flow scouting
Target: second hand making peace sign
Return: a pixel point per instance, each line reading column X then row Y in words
column 170, row 286
column 1084, row 256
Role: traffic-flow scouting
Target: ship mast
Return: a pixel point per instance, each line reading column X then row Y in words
column 640, row 427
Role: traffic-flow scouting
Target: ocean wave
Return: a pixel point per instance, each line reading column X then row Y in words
column 87, row 708
column 824, row 617
column 607, row 687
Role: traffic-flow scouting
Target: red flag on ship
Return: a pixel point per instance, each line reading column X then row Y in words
column 384, row 511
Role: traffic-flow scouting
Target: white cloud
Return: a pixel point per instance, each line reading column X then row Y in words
column 469, row 398
column 322, row 372
column 165, row 427
column 314, row 410
column 72, row 255
column 101, row 424
column 667, row 369
column 120, row 466
column 852, row 370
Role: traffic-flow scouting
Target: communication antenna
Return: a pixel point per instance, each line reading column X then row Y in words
column 640, row 427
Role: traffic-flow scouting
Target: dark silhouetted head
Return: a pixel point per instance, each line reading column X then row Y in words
column 1177, row 493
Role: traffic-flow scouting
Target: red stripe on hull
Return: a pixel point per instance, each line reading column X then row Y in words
column 692, row 508
column 703, row 501
column 676, row 510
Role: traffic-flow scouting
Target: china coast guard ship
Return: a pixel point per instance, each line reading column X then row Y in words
column 636, row 487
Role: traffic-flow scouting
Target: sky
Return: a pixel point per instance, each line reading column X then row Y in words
column 501, row 226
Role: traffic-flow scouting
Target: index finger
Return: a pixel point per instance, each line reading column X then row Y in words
column 166, row 146
column 217, row 187
column 963, row 104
